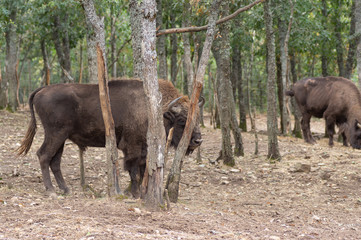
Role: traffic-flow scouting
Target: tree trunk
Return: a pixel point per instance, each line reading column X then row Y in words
column 175, row 172
column 173, row 62
column 339, row 45
column 324, row 48
column 187, row 48
column 284, row 37
column 80, row 79
column 92, row 54
column 8, row 93
column 273, row 151
column 113, row 43
column 238, row 84
column 358, row 33
column 352, row 44
column 161, row 46
column 97, row 25
column 296, row 112
column 221, row 52
column 46, row 68
column 62, row 46
column 156, row 134
column 137, row 37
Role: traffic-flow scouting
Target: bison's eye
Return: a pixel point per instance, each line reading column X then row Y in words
column 182, row 122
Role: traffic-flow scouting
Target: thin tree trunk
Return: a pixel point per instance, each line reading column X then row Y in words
column 161, row 45
column 358, row 33
column 352, row 44
column 238, row 85
column 338, row 37
column 8, row 93
column 325, row 44
column 80, row 80
column 97, row 25
column 173, row 179
column 296, row 113
column 210, row 95
column 273, row 151
column 137, row 38
column 284, row 71
column 187, row 48
column 173, row 40
column 46, row 67
column 113, row 43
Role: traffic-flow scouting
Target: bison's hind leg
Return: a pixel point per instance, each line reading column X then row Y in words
column 305, row 124
column 55, row 168
column 49, row 155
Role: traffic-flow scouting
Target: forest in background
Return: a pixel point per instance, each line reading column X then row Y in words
column 49, row 36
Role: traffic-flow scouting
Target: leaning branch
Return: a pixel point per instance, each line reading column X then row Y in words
column 202, row 28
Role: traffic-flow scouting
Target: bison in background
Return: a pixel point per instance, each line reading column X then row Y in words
column 72, row 111
column 335, row 99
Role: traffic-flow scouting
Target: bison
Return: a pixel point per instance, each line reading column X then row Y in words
column 72, row 111
column 335, row 99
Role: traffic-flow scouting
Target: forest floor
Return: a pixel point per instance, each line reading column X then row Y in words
column 314, row 192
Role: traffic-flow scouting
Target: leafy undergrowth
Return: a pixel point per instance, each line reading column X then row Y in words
column 312, row 193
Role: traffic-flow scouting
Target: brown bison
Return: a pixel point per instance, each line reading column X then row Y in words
column 72, row 111
column 335, row 99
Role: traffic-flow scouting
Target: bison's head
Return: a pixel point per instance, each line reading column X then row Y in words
column 176, row 116
column 355, row 135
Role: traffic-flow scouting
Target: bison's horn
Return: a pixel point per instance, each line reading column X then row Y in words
column 358, row 124
column 172, row 103
column 201, row 101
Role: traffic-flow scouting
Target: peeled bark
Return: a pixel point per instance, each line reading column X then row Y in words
column 97, row 25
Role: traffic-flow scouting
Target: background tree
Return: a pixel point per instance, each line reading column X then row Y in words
column 273, row 151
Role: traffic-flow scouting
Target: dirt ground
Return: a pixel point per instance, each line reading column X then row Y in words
column 312, row 193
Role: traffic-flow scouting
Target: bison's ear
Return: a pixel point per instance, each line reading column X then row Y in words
column 169, row 116
column 201, row 102
column 357, row 124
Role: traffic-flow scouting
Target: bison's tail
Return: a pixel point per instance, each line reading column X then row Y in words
column 290, row 93
column 28, row 139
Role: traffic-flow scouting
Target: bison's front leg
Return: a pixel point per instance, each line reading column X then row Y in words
column 330, row 126
column 135, row 179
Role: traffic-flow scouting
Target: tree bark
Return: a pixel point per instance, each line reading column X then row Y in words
column 296, row 113
column 97, row 25
column 273, row 151
column 238, row 85
column 284, row 71
column 175, row 172
column 221, row 52
column 173, row 61
column 358, row 33
column 8, row 92
column 324, row 49
column 352, row 44
column 338, row 37
column 62, row 46
column 156, row 139
column 161, row 46
column 137, row 37
column 187, row 48
column 46, row 67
